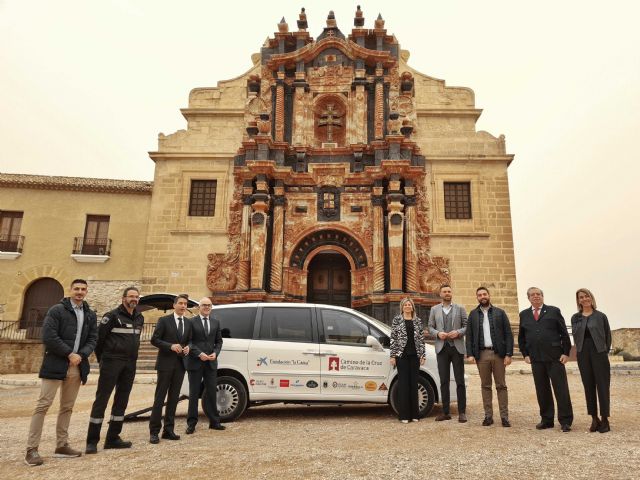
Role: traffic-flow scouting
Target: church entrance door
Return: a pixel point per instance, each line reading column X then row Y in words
column 329, row 280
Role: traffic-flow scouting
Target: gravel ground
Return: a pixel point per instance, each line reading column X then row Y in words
column 331, row 442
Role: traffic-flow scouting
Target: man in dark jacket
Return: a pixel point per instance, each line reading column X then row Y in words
column 117, row 351
column 69, row 334
column 490, row 346
column 171, row 336
column 202, row 364
column 544, row 341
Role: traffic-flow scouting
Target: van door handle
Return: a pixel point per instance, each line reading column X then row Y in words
column 328, row 353
column 310, row 352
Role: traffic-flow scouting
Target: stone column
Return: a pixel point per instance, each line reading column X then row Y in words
column 395, row 234
column 279, row 127
column 378, row 117
column 259, row 222
column 411, row 250
column 278, row 238
column 378, row 240
column 244, row 268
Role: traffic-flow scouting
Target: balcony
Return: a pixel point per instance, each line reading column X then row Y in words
column 91, row 250
column 11, row 246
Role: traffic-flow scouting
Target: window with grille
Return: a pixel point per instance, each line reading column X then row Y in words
column 202, row 202
column 10, row 224
column 457, row 200
column 329, row 200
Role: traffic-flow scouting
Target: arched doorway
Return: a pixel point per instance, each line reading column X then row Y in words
column 329, row 279
column 39, row 297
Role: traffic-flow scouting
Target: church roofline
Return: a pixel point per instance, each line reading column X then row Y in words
column 82, row 184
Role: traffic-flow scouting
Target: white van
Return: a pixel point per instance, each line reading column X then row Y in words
column 308, row 353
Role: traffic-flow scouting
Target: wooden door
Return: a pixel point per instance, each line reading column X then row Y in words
column 329, row 280
column 39, row 297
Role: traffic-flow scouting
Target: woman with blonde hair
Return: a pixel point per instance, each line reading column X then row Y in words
column 592, row 337
column 407, row 354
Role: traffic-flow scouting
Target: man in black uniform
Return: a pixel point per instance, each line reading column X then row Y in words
column 117, row 353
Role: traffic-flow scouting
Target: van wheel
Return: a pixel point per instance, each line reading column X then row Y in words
column 231, row 399
column 426, row 397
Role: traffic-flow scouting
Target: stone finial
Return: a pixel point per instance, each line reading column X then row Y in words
column 379, row 23
column 358, row 20
column 302, row 21
column 283, row 27
column 331, row 20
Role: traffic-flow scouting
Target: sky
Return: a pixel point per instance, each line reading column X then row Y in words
column 87, row 85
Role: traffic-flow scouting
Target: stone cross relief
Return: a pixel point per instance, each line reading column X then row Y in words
column 330, row 119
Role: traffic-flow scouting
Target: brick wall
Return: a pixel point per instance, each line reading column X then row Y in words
column 20, row 357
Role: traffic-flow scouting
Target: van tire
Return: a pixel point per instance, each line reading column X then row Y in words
column 426, row 397
column 231, row 398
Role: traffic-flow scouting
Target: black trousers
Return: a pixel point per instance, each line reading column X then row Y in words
column 448, row 356
column 168, row 386
column 545, row 375
column 115, row 374
column 595, row 371
column 210, row 376
column 408, row 366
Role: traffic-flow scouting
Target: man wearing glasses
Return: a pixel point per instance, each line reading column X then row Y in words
column 202, row 364
column 117, row 353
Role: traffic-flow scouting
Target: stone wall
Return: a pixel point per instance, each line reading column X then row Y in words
column 20, row 357
column 627, row 340
column 105, row 295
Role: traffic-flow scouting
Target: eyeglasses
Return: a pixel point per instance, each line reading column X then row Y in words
column 207, row 305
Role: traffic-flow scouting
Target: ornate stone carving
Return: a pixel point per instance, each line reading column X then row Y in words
column 221, row 272
column 434, row 271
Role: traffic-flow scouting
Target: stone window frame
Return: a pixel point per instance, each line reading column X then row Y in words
column 473, row 226
column 199, row 207
column 196, row 224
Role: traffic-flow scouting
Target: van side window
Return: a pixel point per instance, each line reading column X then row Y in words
column 342, row 327
column 286, row 324
column 236, row 322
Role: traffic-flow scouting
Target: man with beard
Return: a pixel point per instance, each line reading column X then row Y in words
column 117, row 352
column 490, row 346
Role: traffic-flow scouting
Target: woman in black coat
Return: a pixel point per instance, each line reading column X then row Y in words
column 592, row 337
column 407, row 354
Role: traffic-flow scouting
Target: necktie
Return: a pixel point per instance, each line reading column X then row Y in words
column 180, row 328
column 536, row 314
column 206, row 325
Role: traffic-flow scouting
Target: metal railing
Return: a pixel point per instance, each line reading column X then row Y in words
column 11, row 243
column 91, row 246
column 13, row 331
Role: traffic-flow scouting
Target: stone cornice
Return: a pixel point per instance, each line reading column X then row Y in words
column 189, row 155
column 449, row 112
column 471, row 158
column 81, row 184
column 212, row 112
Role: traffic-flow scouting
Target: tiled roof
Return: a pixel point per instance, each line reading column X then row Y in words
column 104, row 185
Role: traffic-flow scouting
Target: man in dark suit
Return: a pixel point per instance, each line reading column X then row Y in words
column 202, row 363
column 544, row 342
column 490, row 346
column 171, row 336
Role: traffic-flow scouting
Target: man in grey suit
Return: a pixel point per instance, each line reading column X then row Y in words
column 448, row 324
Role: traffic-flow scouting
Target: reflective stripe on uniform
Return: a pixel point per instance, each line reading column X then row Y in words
column 125, row 330
column 95, row 420
column 118, row 418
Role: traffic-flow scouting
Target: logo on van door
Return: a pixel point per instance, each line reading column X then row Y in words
column 334, row 364
column 262, row 361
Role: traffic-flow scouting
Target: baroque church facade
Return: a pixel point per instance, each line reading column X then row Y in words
column 330, row 172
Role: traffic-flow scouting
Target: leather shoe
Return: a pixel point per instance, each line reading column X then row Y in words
column 117, row 443
column 543, row 425
column 595, row 425
column 505, row 422
column 190, row 429
column 462, row 418
column 91, row 448
column 170, row 436
column 443, row 416
column 153, row 438
column 217, row 426
column 487, row 421
column 604, row 426
column 566, row 428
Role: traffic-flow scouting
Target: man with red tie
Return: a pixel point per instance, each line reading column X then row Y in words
column 544, row 342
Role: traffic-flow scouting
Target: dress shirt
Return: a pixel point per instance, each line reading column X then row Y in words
column 79, row 311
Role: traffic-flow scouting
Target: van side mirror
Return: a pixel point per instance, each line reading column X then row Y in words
column 374, row 343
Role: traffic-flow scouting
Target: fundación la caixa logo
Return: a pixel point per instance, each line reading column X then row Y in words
column 262, row 361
